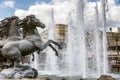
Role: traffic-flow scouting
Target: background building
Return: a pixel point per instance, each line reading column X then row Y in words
column 113, row 38
column 61, row 34
column 44, row 35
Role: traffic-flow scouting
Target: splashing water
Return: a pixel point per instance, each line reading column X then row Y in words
column 86, row 53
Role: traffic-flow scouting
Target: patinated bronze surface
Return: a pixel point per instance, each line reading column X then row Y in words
column 9, row 31
column 15, row 46
column 13, row 50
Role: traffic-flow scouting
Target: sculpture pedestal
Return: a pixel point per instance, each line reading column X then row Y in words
column 18, row 73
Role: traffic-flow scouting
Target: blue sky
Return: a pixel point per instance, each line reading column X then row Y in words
column 8, row 9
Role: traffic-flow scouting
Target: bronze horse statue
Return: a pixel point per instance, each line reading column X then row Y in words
column 9, row 32
column 13, row 50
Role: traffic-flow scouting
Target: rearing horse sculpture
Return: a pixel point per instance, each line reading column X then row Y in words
column 9, row 31
column 15, row 49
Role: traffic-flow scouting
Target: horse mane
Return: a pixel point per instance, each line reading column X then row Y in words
column 5, row 26
column 24, row 23
column 4, row 29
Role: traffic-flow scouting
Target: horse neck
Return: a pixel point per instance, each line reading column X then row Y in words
column 13, row 29
column 31, row 30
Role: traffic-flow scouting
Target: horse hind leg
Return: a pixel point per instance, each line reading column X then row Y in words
column 17, row 60
column 12, row 64
column 13, row 54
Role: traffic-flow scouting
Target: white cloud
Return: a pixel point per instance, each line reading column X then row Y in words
column 44, row 11
column 114, row 11
column 113, row 14
column 21, row 13
column 61, row 11
column 63, row 7
column 9, row 4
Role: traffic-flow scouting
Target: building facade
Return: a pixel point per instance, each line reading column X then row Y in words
column 61, row 34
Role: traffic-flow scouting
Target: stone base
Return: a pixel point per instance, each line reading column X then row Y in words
column 18, row 73
column 47, row 78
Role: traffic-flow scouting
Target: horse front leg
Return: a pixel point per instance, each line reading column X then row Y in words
column 45, row 45
column 59, row 46
column 56, row 53
column 48, row 43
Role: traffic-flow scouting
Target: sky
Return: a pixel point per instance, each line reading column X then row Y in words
column 8, row 7
column 44, row 9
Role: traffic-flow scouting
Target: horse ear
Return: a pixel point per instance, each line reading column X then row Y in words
column 30, row 16
column 15, row 17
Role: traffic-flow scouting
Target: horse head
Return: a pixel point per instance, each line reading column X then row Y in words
column 16, row 19
column 4, row 27
column 7, row 24
column 7, row 21
column 35, row 21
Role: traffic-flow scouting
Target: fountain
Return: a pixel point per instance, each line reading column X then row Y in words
column 25, row 46
column 86, row 54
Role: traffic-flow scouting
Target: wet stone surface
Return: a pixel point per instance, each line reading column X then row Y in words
column 18, row 73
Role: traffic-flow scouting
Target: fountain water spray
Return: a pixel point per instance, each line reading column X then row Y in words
column 84, row 55
column 51, row 61
column 97, row 40
column 105, row 67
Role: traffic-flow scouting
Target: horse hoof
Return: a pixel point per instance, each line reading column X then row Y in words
column 56, row 54
column 32, row 59
column 60, row 47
